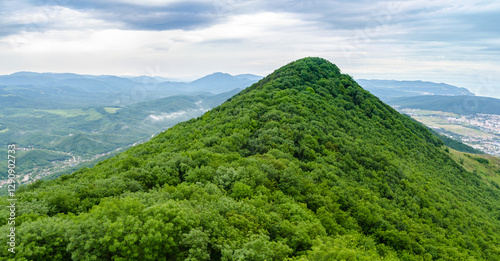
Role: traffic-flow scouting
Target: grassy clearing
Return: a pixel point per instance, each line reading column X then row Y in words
column 471, row 162
column 66, row 112
column 111, row 110
column 93, row 115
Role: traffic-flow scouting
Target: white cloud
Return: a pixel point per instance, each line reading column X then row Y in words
column 426, row 40
column 166, row 116
column 40, row 18
column 156, row 3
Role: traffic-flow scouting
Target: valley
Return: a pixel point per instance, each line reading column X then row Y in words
column 56, row 138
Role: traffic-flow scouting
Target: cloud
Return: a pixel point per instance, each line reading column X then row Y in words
column 445, row 41
column 166, row 116
column 142, row 15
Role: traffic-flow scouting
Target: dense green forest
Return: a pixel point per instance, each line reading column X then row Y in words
column 303, row 165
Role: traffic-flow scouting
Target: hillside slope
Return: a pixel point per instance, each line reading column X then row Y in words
column 303, row 165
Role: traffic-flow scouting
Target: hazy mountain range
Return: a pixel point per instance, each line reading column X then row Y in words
column 385, row 89
column 66, row 90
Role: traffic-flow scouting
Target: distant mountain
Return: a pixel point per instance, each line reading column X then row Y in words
column 252, row 77
column 68, row 90
column 303, row 165
column 27, row 78
column 385, row 89
column 454, row 104
column 222, row 82
column 148, row 79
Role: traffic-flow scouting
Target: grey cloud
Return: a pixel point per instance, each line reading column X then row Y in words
column 491, row 50
column 10, row 29
column 427, row 23
column 419, row 23
column 329, row 15
column 184, row 15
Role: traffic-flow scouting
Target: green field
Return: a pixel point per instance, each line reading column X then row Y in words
column 111, row 110
column 65, row 112
column 489, row 169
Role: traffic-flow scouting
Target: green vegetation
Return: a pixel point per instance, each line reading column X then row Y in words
column 482, row 160
column 80, row 113
column 87, row 132
column 86, row 164
column 111, row 109
column 487, row 166
column 26, row 160
column 66, row 112
column 303, row 165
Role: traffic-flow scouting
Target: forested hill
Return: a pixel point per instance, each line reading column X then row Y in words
column 303, row 165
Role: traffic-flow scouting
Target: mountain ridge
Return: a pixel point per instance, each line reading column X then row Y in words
column 67, row 90
column 455, row 104
column 387, row 89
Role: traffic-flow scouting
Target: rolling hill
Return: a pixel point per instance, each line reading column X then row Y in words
column 303, row 165
column 455, row 104
column 386, row 89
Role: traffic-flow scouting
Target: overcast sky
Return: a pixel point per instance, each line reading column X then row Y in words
column 451, row 41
